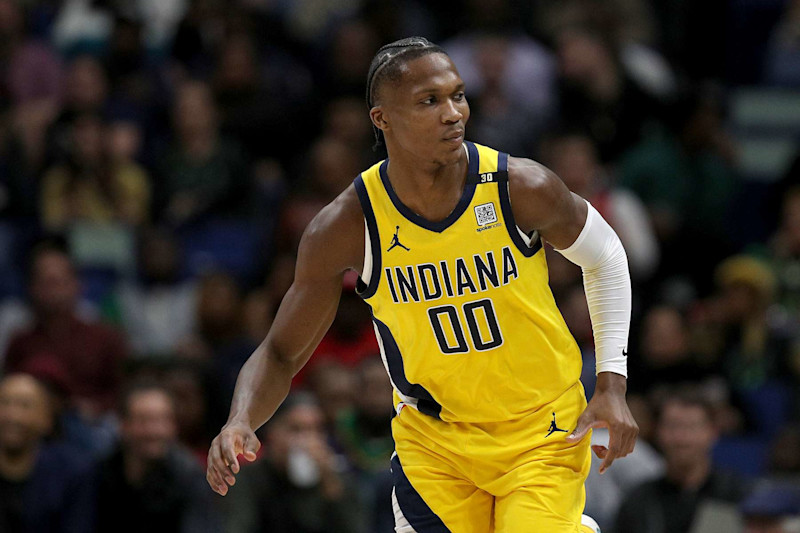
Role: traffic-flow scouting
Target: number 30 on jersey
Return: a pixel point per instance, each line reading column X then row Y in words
column 480, row 319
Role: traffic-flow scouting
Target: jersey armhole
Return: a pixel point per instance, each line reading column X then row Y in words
column 528, row 245
column 367, row 283
column 366, row 270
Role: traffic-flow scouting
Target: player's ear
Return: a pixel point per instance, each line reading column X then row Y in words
column 378, row 118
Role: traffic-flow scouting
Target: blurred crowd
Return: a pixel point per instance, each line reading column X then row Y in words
column 160, row 159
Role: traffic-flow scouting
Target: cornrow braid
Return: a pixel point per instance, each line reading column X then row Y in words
column 385, row 65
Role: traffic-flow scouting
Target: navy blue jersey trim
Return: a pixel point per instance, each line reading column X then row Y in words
column 364, row 290
column 508, row 214
column 415, row 510
column 394, row 360
column 463, row 203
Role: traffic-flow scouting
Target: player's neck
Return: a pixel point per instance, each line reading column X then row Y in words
column 428, row 186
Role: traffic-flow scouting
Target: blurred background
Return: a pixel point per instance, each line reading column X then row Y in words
column 160, row 159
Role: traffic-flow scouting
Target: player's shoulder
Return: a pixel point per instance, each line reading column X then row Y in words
column 536, row 192
column 527, row 177
column 336, row 233
column 343, row 212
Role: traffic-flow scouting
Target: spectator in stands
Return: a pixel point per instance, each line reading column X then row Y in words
column 262, row 96
column 510, row 80
column 198, row 35
column 335, row 387
column 258, row 311
column 91, row 352
column 219, row 312
column 86, row 91
column 31, row 89
column 686, row 434
column 684, row 175
column 203, row 173
column 32, row 71
column 220, row 338
column 596, row 95
column 773, row 507
column 784, row 459
column 157, row 309
column 126, row 63
column 754, row 345
column 573, row 157
column 397, row 20
column 159, row 21
column 90, row 186
column 298, row 485
column 665, row 356
column 365, row 429
column 783, row 252
column 280, row 276
column 125, row 139
column 189, row 385
column 366, row 437
column 149, row 483
column 81, row 27
column 44, row 486
column 784, row 49
column 345, row 122
column 629, row 24
column 604, row 493
column 332, row 166
column 351, row 337
column 348, row 54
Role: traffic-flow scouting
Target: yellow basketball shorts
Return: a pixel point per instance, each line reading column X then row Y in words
column 504, row 477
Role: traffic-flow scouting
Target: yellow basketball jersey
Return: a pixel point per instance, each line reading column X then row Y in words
column 462, row 309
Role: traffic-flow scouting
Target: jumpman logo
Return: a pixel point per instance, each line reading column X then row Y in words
column 396, row 241
column 554, row 427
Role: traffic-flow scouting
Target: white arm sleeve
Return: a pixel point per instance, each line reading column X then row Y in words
column 607, row 282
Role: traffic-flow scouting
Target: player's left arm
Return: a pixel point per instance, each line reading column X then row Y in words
column 540, row 201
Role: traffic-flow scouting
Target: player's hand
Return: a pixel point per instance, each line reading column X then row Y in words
column 235, row 439
column 608, row 409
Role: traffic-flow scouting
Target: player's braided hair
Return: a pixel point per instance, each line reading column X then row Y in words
column 387, row 65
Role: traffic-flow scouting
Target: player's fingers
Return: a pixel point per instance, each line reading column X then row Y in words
column 616, row 445
column 607, row 461
column 585, row 422
column 212, row 472
column 628, row 431
column 632, row 445
column 251, row 447
column 221, row 466
column 634, row 436
column 215, row 481
column 630, row 442
column 229, row 448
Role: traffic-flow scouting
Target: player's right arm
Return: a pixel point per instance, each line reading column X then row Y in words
column 332, row 244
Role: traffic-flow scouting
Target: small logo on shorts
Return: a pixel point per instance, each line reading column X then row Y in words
column 554, row 427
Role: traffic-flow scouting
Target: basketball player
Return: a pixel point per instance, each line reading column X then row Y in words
column 492, row 427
